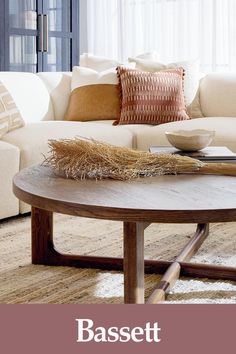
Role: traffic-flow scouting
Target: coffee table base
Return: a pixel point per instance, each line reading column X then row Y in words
column 133, row 263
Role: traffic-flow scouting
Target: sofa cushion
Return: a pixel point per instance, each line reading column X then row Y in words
column 9, row 166
column 194, row 109
column 94, row 95
column 218, row 95
column 58, row 85
column 97, row 63
column 132, row 128
column 30, row 95
column 10, row 117
column 191, row 69
column 154, row 56
column 225, row 128
column 32, row 140
column 151, row 98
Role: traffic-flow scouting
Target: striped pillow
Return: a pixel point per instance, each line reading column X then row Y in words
column 10, row 117
column 151, row 98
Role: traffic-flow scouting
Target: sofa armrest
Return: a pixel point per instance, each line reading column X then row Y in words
column 9, row 166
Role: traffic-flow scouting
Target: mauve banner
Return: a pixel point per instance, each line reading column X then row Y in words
column 121, row 329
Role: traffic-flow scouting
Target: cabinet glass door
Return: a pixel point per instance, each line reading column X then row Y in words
column 39, row 35
column 23, row 32
column 23, row 14
column 58, row 35
column 23, row 53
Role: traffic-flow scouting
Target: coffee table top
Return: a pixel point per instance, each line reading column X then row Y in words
column 170, row 199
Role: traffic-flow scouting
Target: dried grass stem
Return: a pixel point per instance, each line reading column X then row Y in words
column 82, row 158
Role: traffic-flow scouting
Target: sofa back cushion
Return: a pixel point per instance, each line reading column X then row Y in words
column 30, row 95
column 218, row 95
column 58, row 85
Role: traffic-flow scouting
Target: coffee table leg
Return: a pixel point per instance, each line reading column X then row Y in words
column 42, row 235
column 133, row 263
column 173, row 272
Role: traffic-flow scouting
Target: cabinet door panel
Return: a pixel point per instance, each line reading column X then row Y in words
column 59, row 15
column 59, row 34
column 39, row 35
column 23, row 14
column 58, row 57
column 23, row 53
column 22, row 45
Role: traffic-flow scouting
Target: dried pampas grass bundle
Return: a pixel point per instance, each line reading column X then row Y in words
column 82, row 158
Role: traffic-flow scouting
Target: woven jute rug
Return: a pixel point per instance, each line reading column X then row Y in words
column 21, row 282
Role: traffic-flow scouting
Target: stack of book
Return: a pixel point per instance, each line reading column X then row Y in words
column 209, row 154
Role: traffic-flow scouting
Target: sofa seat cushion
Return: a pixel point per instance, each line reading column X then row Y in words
column 225, row 128
column 9, row 166
column 32, row 140
column 132, row 128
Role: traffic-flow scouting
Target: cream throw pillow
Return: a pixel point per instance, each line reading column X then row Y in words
column 100, row 64
column 10, row 117
column 191, row 80
column 94, row 95
column 154, row 56
column 194, row 109
column 97, row 63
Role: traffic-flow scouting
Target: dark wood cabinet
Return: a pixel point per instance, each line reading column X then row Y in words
column 39, row 35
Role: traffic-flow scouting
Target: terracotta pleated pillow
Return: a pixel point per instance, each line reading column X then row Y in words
column 151, row 98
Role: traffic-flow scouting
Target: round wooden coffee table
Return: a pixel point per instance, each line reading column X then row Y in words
column 166, row 199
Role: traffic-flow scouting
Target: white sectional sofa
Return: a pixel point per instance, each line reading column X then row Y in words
column 43, row 98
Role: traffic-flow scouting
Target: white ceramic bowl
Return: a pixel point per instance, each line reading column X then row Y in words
column 190, row 140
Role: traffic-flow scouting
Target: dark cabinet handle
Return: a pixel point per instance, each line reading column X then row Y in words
column 45, row 33
column 41, row 36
